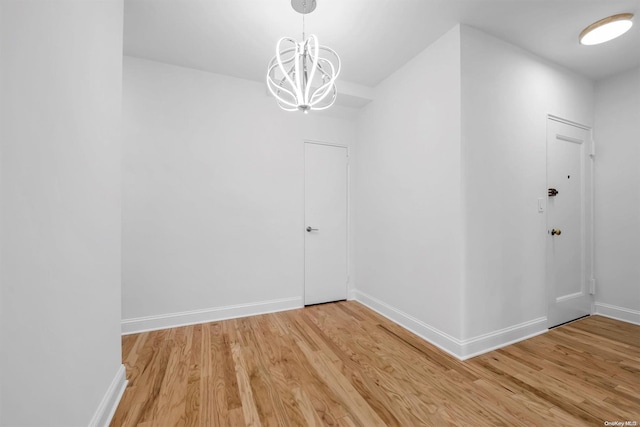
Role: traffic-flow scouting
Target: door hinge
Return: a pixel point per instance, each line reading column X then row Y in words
column 592, row 286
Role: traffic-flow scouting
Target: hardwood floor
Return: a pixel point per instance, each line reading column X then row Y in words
column 342, row 364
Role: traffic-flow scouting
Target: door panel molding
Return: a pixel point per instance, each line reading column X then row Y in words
column 569, row 139
column 330, row 144
column 568, row 122
column 570, row 296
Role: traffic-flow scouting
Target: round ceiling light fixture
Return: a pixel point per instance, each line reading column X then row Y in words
column 606, row 29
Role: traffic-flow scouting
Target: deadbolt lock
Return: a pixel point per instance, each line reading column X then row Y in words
column 555, row 232
column 553, row 192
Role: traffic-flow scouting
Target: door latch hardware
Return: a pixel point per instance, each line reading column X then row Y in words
column 309, row 229
column 555, row 232
column 553, row 192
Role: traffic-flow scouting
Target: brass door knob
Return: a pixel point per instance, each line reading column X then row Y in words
column 555, row 232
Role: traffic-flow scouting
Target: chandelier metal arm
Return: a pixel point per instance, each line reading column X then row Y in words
column 276, row 94
column 322, row 91
column 280, row 87
column 281, row 65
column 312, row 40
column 332, row 52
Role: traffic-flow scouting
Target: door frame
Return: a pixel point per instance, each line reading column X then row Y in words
column 588, row 229
column 304, row 219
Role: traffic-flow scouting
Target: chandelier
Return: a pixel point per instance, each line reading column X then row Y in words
column 302, row 75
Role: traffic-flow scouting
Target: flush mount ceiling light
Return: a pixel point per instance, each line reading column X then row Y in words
column 302, row 75
column 606, row 29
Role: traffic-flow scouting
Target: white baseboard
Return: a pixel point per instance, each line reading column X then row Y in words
column 103, row 415
column 173, row 320
column 461, row 349
column 485, row 343
column 619, row 313
column 436, row 337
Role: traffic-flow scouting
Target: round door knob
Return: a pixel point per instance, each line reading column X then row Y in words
column 555, row 232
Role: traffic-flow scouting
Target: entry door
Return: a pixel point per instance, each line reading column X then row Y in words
column 325, row 243
column 568, row 222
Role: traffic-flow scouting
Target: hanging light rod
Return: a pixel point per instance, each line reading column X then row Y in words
column 606, row 29
column 302, row 75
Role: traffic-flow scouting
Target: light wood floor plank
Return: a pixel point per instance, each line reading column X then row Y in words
column 342, row 364
column 194, row 378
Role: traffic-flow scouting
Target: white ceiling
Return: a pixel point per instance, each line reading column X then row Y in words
column 372, row 37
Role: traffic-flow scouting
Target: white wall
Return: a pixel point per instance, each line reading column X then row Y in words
column 60, row 96
column 1, row 286
column 506, row 96
column 451, row 162
column 408, row 235
column 213, row 208
column 617, row 196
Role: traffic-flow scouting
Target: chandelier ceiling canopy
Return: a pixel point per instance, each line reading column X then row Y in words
column 302, row 75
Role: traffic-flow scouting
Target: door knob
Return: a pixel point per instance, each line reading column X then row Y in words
column 555, row 232
column 309, row 229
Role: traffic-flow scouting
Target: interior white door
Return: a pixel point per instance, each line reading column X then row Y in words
column 568, row 222
column 325, row 246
